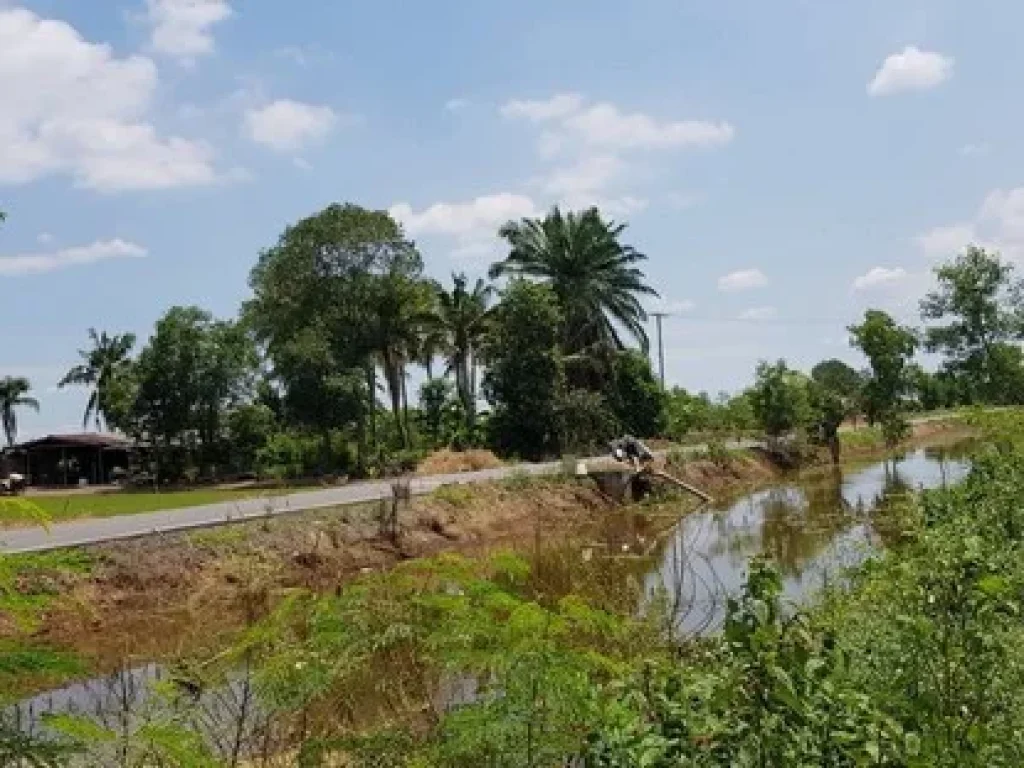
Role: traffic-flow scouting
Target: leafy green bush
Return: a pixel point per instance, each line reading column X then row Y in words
column 293, row 455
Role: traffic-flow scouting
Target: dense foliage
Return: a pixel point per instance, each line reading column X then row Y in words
column 342, row 312
column 917, row 659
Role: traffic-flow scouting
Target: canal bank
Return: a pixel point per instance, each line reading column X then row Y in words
column 190, row 597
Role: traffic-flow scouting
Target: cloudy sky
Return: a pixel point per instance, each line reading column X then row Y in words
column 784, row 165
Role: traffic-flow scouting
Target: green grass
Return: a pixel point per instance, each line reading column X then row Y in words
column 29, row 584
column 863, row 437
column 27, row 667
column 459, row 496
column 57, row 508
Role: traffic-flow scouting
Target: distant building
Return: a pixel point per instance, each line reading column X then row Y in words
column 68, row 460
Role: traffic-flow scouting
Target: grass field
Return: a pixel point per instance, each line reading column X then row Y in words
column 59, row 507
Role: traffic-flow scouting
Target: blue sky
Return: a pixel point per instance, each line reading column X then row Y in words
column 784, row 165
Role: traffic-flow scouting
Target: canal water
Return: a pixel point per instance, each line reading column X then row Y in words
column 811, row 528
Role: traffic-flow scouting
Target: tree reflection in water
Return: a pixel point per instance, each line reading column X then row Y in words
column 812, row 531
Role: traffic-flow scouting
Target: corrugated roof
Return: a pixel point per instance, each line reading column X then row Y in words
column 80, row 440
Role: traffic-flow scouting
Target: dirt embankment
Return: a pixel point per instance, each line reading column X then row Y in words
column 166, row 596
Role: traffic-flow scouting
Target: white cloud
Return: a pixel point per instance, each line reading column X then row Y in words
column 550, row 144
column 456, row 105
column 473, row 225
column 880, row 278
column 672, row 307
column 483, row 214
column 558, row 106
column 759, row 313
column 620, row 207
column 71, row 107
column 183, row 28
column 44, row 238
column 583, row 178
column 742, row 280
column 101, row 250
column 585, row 182
column 998, row 225
column 288, row 126
column 911, row 70
column 596, row 139
column 1006, row 210
column 946, row 241
column 604, row 125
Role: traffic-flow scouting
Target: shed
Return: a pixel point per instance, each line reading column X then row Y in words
column 67, row 460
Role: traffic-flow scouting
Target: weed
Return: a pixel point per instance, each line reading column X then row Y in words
column 22, row 665
column 224, row 537
column 459, row 496
column 518, row 480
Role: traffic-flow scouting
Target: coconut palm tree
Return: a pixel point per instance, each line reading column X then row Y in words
column 462, row 318
column 108, row 358
column 593, row 274
column 13, row 395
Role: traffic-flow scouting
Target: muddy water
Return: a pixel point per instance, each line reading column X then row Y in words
column 811, row 529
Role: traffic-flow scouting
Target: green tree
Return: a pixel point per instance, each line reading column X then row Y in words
column 249, row 428
column 14, row 395
column 636, row 398
column 829, row 409
column 108, row 359
column 462, row 316
column 190, row 374
column 435, row 395
column 524, row 374
column 400, row 306
column 838, row 377
column 978, row 307
column 889, row 348
column 686, row 413
column 319, row 395
column 779, row 399
column 321, row 282
column 594, row 276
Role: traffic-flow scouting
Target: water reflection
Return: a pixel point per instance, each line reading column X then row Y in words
column 811, row 530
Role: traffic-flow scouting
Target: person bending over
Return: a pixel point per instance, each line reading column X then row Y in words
column 629, row 449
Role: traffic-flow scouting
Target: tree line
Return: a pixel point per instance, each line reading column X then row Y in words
column 340, row 311
column 554, row 345
column 973, row 321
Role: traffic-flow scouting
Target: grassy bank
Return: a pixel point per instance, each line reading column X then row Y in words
column 60, row 507
column 188, row 594
column 548, row 630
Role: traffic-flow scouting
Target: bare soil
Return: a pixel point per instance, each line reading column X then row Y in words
column 185, row 594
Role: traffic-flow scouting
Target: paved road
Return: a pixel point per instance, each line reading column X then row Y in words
column 98, row 530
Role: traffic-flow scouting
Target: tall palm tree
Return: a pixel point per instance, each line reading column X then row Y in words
column 108, row 358
column 13, row 395
column 399, row 308
column 595, row 277
column 462, row 318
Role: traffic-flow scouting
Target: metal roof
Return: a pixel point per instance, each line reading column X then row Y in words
column 79, row 440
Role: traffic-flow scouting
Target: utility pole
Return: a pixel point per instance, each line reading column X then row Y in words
column 658, row 316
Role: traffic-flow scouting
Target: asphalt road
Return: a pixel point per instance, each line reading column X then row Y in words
column 97, row 530
column 102, row 529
